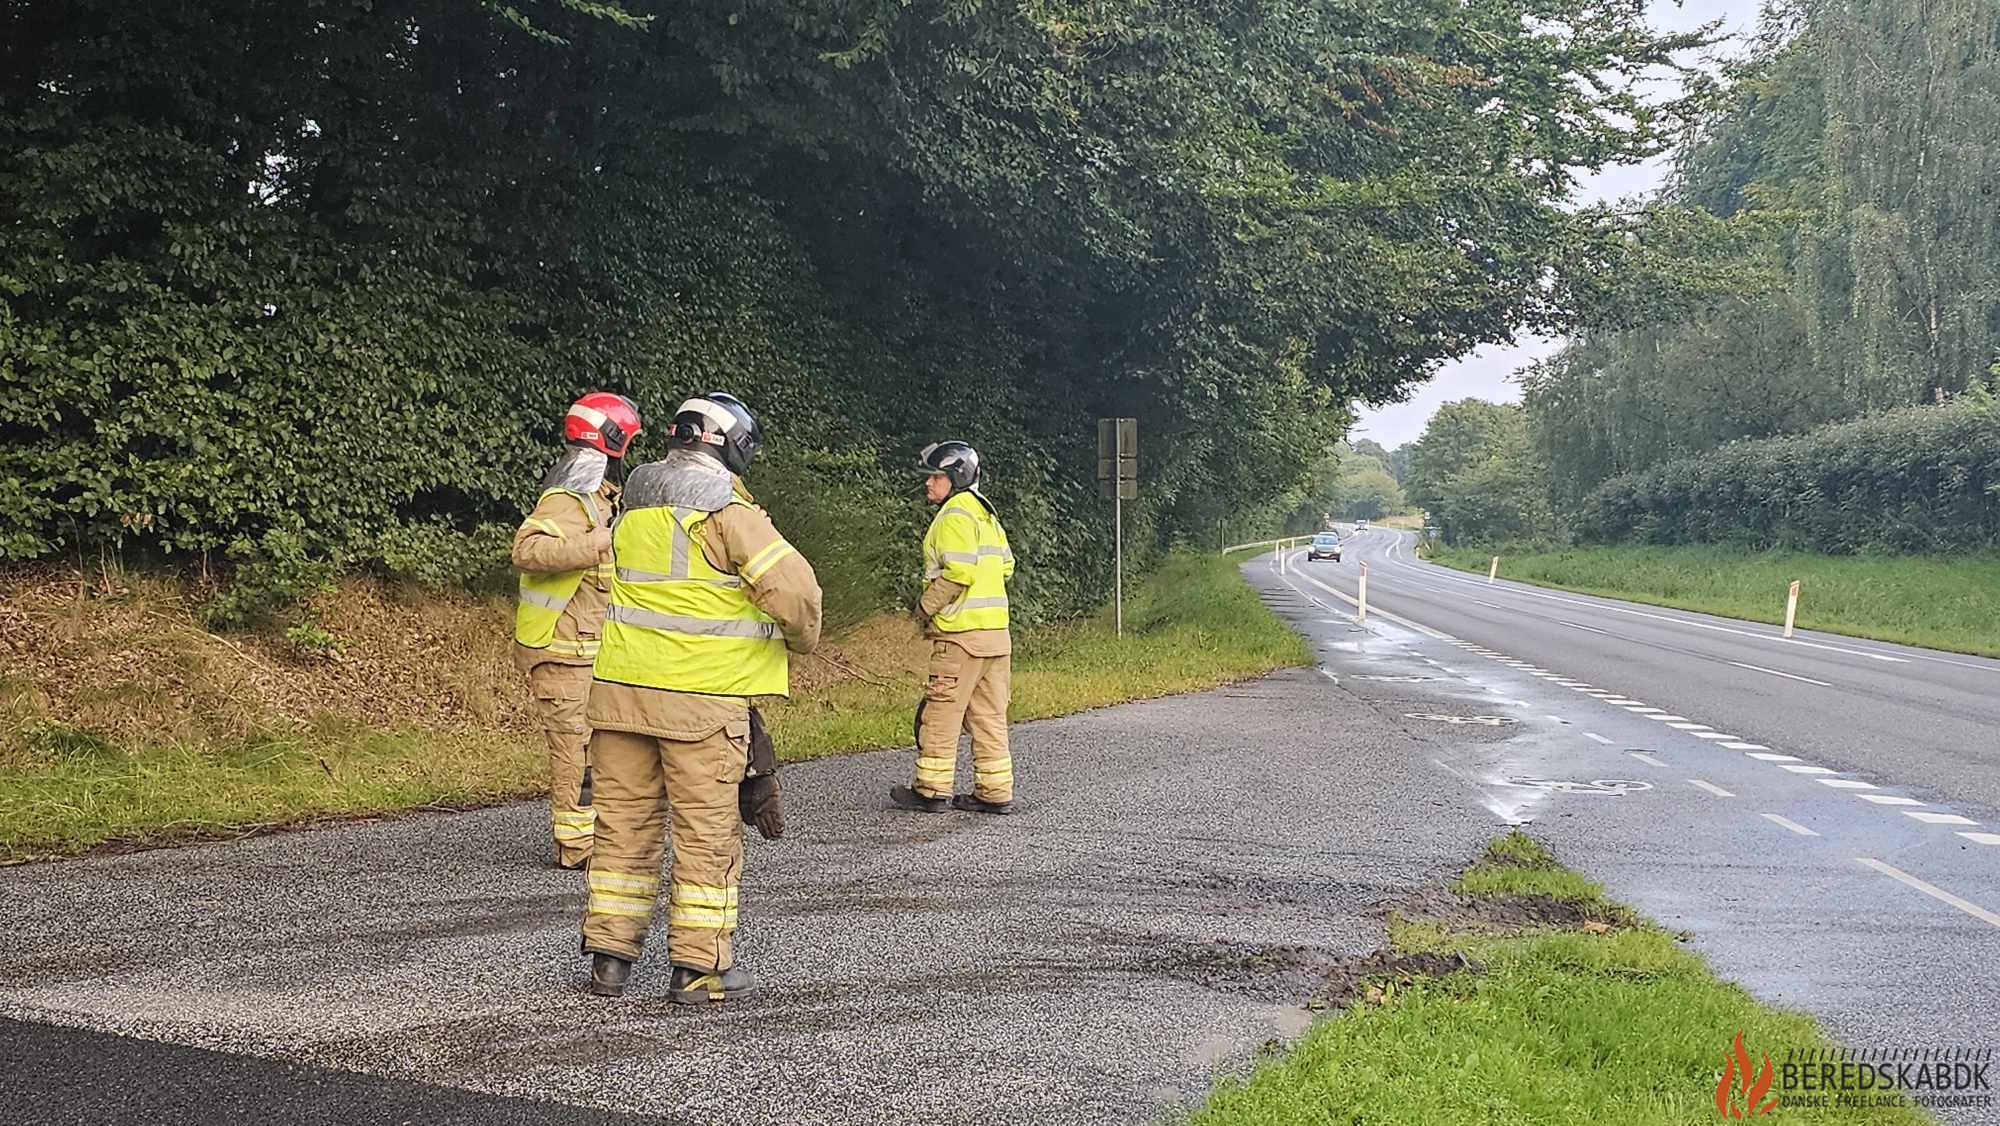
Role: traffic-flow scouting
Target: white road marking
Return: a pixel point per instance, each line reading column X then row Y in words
column 1746, row 747
column 1710, row 735
column 1888, row 799
column 1644, row 711
column 1649, row 760
column 1710, row 787
column 1396, row 618
column 1787, row 823
column 1937, row 893
column 1929, row 818
column 1581, row 626
column 1616, row 609
column 1596, row 738
column 1982, row 838
column 1845, row 783
column 1558, row 719
column 1775, row 672
column 1669, row 718
column 1808, row 769
column 1690, row 726
column 1776, row 758
column 1624, row 701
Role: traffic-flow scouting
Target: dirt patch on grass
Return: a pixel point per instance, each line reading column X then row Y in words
column 1362, row 979
column 1502, row 913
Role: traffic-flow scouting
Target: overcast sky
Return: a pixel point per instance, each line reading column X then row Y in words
column 1488, row 373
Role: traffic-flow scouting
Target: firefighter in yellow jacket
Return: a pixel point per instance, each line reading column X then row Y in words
column 964, row 606
column 706, row 601
column 563, row 551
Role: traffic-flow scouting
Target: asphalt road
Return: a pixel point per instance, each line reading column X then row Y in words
column 1822, row 812
column 1181, row 875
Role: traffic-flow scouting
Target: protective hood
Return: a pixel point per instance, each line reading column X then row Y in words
column 682, row 479
column 579, row 470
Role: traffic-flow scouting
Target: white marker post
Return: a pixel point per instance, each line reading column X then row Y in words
column 1493, row 572
column 1118, row 479
column 1363, row 601
column 1791, row 607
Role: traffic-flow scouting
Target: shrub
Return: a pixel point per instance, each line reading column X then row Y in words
column 1923, row 479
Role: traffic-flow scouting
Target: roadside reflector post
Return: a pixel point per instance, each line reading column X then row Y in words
column 1118, row 480
column 1493, row 572
column 1363, row 600
column 1791, row 607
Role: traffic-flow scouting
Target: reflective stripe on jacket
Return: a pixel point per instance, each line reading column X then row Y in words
column 679, row 624
column 967, row 545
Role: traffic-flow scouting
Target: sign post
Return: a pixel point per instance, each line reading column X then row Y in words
column 1118, row 478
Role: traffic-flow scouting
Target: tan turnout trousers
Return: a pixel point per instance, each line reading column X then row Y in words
column 964, row 692
column 647, row 788
column 560, row 693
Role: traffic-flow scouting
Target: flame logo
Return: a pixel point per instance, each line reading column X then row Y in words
column 1736, row 1073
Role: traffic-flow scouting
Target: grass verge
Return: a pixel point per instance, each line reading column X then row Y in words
column 75, row 792
column 1939, row 602
column 69, row 782
column 1600, row 1017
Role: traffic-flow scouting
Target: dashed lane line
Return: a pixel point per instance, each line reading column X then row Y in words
column 1932, row 890
column 1929, row 818
column 1595, row 737
column 1787, row 823
column 1680, row 723
column 1776, row 672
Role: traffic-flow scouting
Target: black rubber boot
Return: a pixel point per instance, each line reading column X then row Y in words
column 709, row 987
column 608, row 974
column 906, row 798
column 972, row 803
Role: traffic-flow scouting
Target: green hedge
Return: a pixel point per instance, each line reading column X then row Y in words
column 1924, row 479
column 290, row 284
